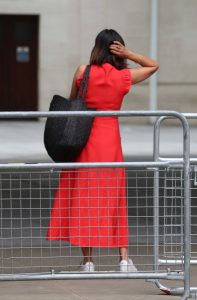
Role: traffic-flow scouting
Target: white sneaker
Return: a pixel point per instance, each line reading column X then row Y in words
column 88, row 267
column 127, row 266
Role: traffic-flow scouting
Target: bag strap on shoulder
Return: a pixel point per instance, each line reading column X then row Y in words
column 84, row 84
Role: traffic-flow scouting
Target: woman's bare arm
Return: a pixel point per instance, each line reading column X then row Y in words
column 74, row 89
column 148, row 65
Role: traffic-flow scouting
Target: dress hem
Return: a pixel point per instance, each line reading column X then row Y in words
column 88, row 245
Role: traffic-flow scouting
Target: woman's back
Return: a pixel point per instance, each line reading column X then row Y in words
column 106, row 87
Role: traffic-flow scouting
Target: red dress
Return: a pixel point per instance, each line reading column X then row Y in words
column 90, row 206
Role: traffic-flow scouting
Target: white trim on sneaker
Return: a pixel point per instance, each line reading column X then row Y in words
column 87, row 267
column 127, row 266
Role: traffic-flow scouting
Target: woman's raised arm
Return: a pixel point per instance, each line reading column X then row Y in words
column 148, row 65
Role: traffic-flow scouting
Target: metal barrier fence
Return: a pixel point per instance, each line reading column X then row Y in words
column 171, row 258
column 158, row 224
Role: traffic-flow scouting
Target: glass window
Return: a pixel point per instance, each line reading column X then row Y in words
column 22, row 54
column 23, row 32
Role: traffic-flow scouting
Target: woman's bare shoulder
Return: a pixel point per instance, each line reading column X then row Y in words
column 79, row 71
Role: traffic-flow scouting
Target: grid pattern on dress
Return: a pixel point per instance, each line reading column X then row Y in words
column 26, row 200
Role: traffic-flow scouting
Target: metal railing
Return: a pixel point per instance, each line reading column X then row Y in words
column 26, row 189
column 170, row 259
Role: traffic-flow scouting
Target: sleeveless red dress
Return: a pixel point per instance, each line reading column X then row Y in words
column 90, row 206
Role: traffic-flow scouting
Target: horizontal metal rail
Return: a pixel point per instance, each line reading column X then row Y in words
column 19, row 166
column 137, row 113
column 170, row 262
column 190, row 115
column 95, row 275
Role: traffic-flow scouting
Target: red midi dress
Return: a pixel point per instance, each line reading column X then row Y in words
column 90, row 205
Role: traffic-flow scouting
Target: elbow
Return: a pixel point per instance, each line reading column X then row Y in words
column 155, row 68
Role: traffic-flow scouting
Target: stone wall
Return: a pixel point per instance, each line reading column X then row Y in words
column 68, row 29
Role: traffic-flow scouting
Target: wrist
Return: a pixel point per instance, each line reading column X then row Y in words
column 131, row 55
column 128, row 54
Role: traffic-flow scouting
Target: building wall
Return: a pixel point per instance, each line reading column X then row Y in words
column 68, row 29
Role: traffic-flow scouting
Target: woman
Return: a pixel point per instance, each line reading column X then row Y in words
column 90, row 208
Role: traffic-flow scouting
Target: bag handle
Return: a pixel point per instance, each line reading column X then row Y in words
column 84, row 84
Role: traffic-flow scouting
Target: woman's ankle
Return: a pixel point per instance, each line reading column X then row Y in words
column 124, row 258
column 87, row 259
column 123, row 252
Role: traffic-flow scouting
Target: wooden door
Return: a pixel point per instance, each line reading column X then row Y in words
column 18, row 62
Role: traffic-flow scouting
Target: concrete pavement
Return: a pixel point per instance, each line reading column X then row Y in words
column 81, row 290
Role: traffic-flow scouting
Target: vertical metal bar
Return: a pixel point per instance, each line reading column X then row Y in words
column 182, row 213
column 99, row 220
column 156, row 144
column 174, row 212
column 187, row 207
column 156, row 219
column 153, row 54
column 146, row 208
column 49, row 251
column 137, row 213
column 31, row 215
column 11, row 224
column 1, row 223
column 21, row 216
column 165, row 208
column 40, row 216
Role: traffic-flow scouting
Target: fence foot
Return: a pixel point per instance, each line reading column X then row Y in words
column 162, row 288
column 174, row 291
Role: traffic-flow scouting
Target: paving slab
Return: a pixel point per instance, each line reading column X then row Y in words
column 81, row 290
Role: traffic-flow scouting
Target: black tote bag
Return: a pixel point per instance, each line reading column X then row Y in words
column 65, row 137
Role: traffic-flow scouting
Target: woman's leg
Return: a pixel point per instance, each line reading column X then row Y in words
column 87, row 254
column 123, row 251
column 126, row 264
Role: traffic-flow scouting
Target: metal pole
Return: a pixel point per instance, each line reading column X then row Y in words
column 187, row 200
column 153, row 54
column 156, row 196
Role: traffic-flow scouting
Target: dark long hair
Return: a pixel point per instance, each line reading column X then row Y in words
column 101, row 53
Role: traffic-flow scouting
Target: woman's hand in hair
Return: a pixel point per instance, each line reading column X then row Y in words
column 147, row 67
column 119, row 50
